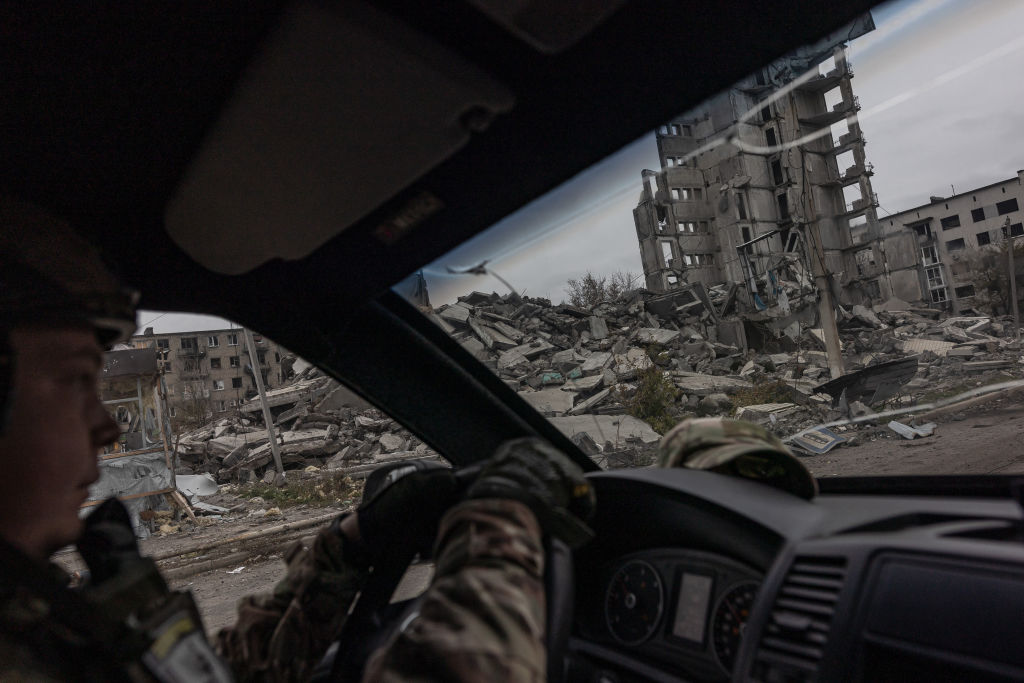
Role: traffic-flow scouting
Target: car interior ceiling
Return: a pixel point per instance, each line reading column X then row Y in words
column 111, row 110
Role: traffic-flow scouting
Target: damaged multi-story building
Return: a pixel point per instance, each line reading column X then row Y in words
column 209, row 372
column 947, row 230
column 755, row 175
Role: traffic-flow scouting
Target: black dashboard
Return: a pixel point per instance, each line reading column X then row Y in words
column 698, row 577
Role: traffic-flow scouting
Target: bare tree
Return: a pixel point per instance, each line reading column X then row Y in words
column 590, row 290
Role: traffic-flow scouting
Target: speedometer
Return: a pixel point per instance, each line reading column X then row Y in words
column 729, row 620
column 634, row 602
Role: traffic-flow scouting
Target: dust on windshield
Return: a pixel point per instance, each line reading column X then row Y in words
column 756, row 258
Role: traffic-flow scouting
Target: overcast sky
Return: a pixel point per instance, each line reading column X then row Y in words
column 938, row 83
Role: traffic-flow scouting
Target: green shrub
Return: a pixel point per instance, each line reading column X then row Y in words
column 331, row 489
column 655, row 400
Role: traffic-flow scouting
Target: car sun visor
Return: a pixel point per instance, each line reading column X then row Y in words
column 345, row 107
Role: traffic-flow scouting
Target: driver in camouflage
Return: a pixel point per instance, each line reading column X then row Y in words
column 738, row 449
column 483, row 615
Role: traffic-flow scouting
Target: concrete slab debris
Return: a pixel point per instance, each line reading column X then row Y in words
column 920, row 345
column 615, row 429
column 551, row 402
column 651, row 335
column 912, row 432
column 818, row 441
column 764, row 411
column 589, row 403
column 703, row 385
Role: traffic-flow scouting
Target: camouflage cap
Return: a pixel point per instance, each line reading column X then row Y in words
column 737, row 448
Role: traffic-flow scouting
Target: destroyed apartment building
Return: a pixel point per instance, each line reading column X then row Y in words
column 947, row 231
column 210, row 372
column 766, row 187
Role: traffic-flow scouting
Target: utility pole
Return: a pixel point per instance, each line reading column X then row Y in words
column 268, row 419
column 1013, row 280
column 826, row 305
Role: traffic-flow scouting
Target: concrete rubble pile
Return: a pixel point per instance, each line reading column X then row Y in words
column 570, row 363
column 315, row 432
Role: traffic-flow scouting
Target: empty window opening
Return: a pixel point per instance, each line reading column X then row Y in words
column 672, row 280
column 859, row 220
column 163, row 343
column 662, row 214
column 766, row 113
column 745, row 234
column 759, row 77
column 687, row 226
column 955, row 245
column 852, row 195
column 686, row 130
column 189, row 343
column 838, row 130
column 214, row 363
column 827, row 66
column 792, row 241
column 218, row 385
column 833, row 98
column 666, row 254
column 950, row 222
column 1007, row 206
column 236, row 382
column 845, row 161
column 984, row 238
column 783, row 202
column 675, row 130
column 1017, row 229
column 929, row 256
column 939, row 295
column 741, row 206
column 769, row 137
column 777, row 176
column 964, row 291
column 978, row 215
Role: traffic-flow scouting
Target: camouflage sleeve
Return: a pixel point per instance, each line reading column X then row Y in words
column 483, row 616
column 281, row 636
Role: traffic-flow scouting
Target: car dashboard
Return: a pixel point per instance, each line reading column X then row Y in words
column 693, row 576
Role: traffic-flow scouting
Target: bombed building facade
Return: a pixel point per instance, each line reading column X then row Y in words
column 763, row 177
column 209, row 372
column 947, row 229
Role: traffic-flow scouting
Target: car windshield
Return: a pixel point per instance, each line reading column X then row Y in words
column 755, row 257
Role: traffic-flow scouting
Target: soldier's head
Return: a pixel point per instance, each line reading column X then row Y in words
column 735, row 448
column 59, row 309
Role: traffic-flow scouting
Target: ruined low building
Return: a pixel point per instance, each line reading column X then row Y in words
column 946, row 230
column 210, row 372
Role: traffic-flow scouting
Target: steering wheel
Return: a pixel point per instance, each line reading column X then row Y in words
column 374, row 619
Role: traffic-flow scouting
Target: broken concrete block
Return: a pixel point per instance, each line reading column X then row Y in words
column 714, row 403
column 703, row 385
column 595, row 363
column 764, row 411
column 866, row 316
column 586, row 443
column 584, row 384
column 632, row 362
column 651, row 335
column 591, row 402
column 457, row 314
column 607, row 428
column 532, row 349
column 598, row 327
column 550, row 401
column 510, row 359
column 391, row 442
column 552, row 379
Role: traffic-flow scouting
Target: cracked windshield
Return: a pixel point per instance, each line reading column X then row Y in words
column 826, row 249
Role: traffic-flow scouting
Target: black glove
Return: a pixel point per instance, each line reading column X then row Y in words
column 403, row 504
column 536, row 473
column 108, row 542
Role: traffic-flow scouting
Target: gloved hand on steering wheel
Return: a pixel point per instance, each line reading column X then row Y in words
column 402, row 505
column 534, row 472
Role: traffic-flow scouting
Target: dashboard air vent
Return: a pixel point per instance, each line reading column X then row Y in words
column 794, row 638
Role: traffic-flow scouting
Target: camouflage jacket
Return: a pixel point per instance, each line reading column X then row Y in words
column 36, row 646
column 481, row 618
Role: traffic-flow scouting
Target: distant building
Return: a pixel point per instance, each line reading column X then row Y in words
column 948, row 228
column 733, row 212
column 209, row 372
